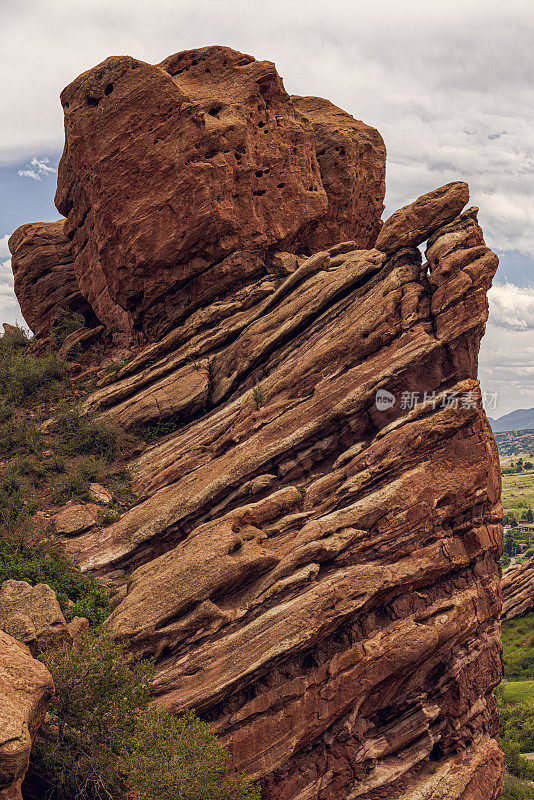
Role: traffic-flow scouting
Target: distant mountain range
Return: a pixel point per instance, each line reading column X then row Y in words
column 520, row 420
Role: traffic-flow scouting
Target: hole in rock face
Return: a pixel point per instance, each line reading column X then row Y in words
column 280, row 186
column 108, row 89
column 261, row 124
column 259, row 192
column 215, row 109
column 92, row 101
column 258, row 173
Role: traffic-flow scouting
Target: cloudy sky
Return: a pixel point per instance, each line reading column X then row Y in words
column 449, row 85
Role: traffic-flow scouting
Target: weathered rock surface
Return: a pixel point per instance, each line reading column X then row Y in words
column 153, row 230
column 25, row 689
column 518, row 590
column 413, row 224
column 32, row 614
column 42, row 262
column 317, row 574
column 327, row 588
column 75, row 519
column 352, row 159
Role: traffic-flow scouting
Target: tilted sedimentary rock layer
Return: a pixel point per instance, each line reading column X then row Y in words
column 180, row 181
column 26, row 686
column 518, row 590
column 316, row 575
column 313, row 557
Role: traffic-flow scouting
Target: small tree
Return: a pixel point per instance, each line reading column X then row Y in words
column 178, row 758
column 106, row 745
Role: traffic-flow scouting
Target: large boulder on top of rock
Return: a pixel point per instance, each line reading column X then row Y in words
column 42, row 260
column 414, row 223
column 159, row 229
column 352, row 162
column 26, row 687
column 32, row 614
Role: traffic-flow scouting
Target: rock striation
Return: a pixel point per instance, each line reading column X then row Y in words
column 313, row 558
column 518, row 590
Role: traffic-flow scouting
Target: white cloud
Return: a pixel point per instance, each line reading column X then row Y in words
column 507, row 354
column 42, row 167
column 447, row 84
column 9, row 307
column 512, row 307
column 4, row 249
column 29, row 173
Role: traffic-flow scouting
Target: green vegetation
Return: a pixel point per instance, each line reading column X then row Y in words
column 65, row 323
column 515, row 789
column 518, row 491
column 26, row 379
column 258, row 395
column 83, row 435
column 515, row 697
column 105, row 743
column 43, row 561
column 518, row 649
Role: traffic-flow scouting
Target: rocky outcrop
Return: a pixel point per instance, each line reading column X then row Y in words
column 413, row 224
column 42, row 261
column 154, row 231
column 518, row 590
column 313, row 558
column 32, row 614
column 327, row 587
column 25, row 689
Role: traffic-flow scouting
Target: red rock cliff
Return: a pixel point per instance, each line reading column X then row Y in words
column 315, row 571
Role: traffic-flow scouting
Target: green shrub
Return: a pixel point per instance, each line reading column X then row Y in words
column 20, row 437
column 106, row 744
column 14, row 507
column 75, row 483
column 26, row 378
column 518, row 647
column 65, row 323
column 153, row 430
column 83, row 435
column 173, row 757
column 515, row 789
column 98, row 692
column 515, row 763
column 43, row 561
column 258, row 395
column 14, row 339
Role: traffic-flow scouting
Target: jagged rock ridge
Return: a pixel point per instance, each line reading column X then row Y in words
column 315, row 573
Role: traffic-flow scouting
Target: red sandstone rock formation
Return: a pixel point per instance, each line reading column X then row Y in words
column 42, row 261
column 25, row 689
column 158, row 229
column 518, row 590
column 316, row 573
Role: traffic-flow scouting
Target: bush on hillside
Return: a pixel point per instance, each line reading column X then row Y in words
column 83, row 435
column 514, row 789
column 105, row 743
column 43, row 561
